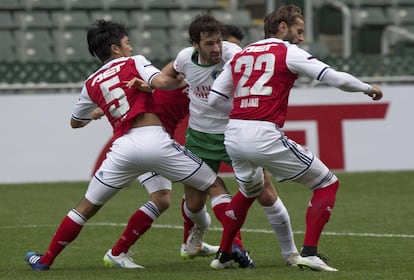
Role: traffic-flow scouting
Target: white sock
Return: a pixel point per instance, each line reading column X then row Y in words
column 202, row 219
column 279, row 219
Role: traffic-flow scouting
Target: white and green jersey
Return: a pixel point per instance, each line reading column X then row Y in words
column 200, row 78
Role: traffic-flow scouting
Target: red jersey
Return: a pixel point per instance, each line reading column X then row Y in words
column 261, row 82
column 257, row 81
column 174, row 107
column 106, row 89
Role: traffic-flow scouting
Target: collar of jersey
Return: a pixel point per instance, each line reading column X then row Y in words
column 194, row 59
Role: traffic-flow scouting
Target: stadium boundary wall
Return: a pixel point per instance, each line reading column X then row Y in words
column 347, row 131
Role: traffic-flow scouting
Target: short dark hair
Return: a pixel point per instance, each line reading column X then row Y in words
column 203, row 23
column 232, row 30
column 101, row 35
column 285, row 13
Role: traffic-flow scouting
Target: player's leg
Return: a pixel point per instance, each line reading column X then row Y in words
column 115, row 173
column 308, row 170
column 179, row 164
column 187, row 227
column 199, row 144
column 279, row 219
column 324, row 185
column 72, row 224
column 210, row 147
column 251, row 183
column 159, row 189
column 199, row 221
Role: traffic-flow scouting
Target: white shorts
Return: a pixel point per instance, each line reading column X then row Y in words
column 147, row 149
column 154, row 182
column 252, row 145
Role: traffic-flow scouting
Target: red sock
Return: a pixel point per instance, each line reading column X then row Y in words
column 233, row 219
column 67, row 231
column 318, row 213
column 187, row 223
column 220, row 213
column 137, row 225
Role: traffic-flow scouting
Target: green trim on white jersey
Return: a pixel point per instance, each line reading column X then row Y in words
column 200, row 78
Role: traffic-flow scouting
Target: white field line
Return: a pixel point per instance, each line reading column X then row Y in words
column 265, row 231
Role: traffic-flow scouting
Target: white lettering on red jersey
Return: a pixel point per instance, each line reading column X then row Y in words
column 259, row 79
column 106, row 88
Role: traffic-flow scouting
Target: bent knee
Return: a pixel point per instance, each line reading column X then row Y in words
column 252, row 189
column 162, row 199
column 267, row 197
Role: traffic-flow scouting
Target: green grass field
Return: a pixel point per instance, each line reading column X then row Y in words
column 370, row 235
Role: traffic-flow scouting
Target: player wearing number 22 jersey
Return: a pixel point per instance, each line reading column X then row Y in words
column 254, row 87
column 201, row 64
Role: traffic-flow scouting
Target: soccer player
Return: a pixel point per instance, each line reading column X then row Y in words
column 201, row 64
column 254, row 87
column 141, row 144
column 233, row 34
column 174, row 108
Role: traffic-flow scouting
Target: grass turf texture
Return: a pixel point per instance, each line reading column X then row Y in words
column 370, row 235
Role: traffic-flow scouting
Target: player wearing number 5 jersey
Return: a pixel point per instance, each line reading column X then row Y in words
column 142, row 144
column 254, row 87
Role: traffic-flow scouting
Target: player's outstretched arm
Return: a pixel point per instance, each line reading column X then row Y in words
column 166, row 82
column 347, row 82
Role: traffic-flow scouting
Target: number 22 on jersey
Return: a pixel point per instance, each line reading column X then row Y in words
column 255, row 72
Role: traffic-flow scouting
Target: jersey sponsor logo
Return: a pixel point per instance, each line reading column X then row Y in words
column 263, row 48
column 107, row 73
column 202, row 91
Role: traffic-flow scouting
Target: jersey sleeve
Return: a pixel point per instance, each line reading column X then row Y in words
column 300, row 61
column 221, row 90
column 145, row 68
column 84, row 107
column 183, row 57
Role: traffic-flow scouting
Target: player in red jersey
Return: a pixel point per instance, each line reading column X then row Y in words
column 141, row 144
column 254, row 87
column 201, row 64
column 174, row 108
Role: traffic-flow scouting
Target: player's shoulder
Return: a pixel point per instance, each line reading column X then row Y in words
column 183, row 58
column 230, row 46
column 140, row 59
column 229, row 50
column 185, row 53
column 292, row 49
